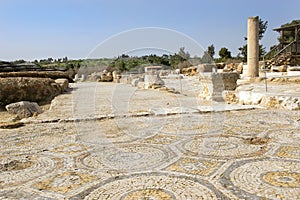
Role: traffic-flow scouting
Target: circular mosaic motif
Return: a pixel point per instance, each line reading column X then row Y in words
column 19, row 169
column 191, row 125
column 272, row 179
column 289, row 152
column 155, row 187
column 285, row 136
column 282, row 179
column 128, row 157
column 221, row 147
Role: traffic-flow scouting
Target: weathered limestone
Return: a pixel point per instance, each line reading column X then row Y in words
column 116, row 77
column 189, row 71
column 253, row 47
column 234, row 67
column 227, row 79
column 293, row 68
column 106, row 77
column 23, row 109
column 41, row 90
column 290, row 103
column 221, row 82
column 250, row 98
column 207, row 68
column 135, row 82
column 153, row 80
column 264, row 100
column 64, row 84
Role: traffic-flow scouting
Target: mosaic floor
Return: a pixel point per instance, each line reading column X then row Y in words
column 252, row 154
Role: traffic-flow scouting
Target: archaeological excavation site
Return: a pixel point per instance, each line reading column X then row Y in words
column 155, row 127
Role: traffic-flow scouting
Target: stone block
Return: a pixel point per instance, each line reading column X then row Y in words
column 23, row 109
column 152, row 79
column 207, row 68
column 250, row 98
column 225, row 81
column 135, row 82
column 63, row 83
column 221, row 82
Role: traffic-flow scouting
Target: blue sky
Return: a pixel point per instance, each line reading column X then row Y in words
column 35, row 29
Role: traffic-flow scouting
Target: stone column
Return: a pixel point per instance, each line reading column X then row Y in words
column 253, row 47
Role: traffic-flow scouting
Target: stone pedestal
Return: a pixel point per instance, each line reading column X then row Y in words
column 221, row 82
column 253, row 47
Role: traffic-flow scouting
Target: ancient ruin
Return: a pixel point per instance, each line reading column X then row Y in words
column 205, row 131
column 253, row 46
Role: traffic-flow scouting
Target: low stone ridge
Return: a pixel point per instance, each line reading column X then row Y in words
column 40, row 90
column 39, row 74
column 11, row 125
column 253, row 98
column 23, row 109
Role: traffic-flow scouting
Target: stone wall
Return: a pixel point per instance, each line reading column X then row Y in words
column 40, row 90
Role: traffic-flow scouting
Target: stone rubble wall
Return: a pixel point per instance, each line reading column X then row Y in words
column 40, row 90
column 39, row 74
column 252, row 98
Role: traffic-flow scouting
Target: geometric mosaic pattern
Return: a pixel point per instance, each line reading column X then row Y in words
column 274, row 179
column 21, row 169
column 162, row 139
column 289, row 152
column 155, row 186
column 134, row 157
column 194, row 166
column 186, row 156
column 221, row 147
column 65, row 182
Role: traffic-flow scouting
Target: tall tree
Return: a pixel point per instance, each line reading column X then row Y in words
column 224, row 53
column 211, row 51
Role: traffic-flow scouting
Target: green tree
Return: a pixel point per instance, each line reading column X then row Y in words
column 224, row 54
column 175, row 60
column 19, row 61
column 289, row 36
column 211, row 51
column 243, row 52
